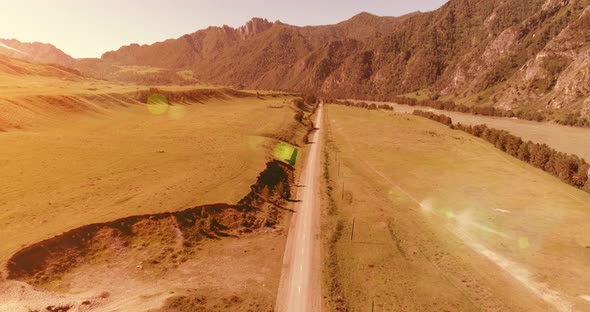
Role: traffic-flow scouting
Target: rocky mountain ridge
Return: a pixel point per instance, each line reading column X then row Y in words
column 35, row 52
column 530, row 55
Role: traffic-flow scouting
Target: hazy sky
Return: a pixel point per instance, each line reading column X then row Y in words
column 84, row 28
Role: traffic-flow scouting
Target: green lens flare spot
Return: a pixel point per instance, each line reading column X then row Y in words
column 450, row 215
column 523, row 243
column 286, row 152
column 157, row 104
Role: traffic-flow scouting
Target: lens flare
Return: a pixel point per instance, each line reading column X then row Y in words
column 157, row 104
column 467, row 220
column 523, row 243
column 285, row 152
column 427, row 206
column 522, row 275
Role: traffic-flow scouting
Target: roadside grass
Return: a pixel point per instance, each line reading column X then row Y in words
column 421, row 196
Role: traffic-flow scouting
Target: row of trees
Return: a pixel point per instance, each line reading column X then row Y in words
column 364, row 105
column 476, row 110
column 574, row 120
column 568, row 120
column 448, row 106
column 443, row 119
column 307, row 103
column 569, row 168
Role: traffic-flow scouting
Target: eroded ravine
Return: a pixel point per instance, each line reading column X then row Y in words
column 153, row 244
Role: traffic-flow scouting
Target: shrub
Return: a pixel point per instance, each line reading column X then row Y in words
column 299, row 116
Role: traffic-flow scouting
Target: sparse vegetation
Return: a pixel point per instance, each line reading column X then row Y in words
column 212, row 300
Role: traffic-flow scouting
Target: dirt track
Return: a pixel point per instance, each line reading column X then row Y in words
column 300, row 288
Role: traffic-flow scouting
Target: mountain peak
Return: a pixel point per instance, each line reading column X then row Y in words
column 253, row 27
column 364, row 15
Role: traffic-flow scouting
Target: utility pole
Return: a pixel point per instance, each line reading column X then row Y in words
column 352, row 231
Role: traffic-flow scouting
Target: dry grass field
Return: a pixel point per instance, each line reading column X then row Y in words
column 445, row 222
column 566, row 139
column 66, row 167
column 130, row 162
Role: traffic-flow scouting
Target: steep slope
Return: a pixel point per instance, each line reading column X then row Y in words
column 559, row 75
column 258, row 54
column 35, row 52
column 170, row 61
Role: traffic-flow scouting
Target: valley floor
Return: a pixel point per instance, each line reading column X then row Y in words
column 94, row 167
column 418, row 217
column 573, row 140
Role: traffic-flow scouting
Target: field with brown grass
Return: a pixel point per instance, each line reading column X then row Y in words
column 418, row 217
column 573, row 140
column 74, row 158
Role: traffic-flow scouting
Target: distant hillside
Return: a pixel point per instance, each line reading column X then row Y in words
column 35, row 52
column 254, row 55
column 523, row 55
column 530, row 55
column 13, row 68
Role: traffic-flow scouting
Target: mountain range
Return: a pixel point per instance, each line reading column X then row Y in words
column 35, row 51
column 522, row 55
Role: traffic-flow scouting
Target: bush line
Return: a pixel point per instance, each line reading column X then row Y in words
column 574, row 120
column 571, row 119
column 364, row 105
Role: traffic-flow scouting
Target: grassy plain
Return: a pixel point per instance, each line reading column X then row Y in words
column 573, row 140
column 445, row 222
column 77, row 151
column 78, row 167
column 128, row 162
